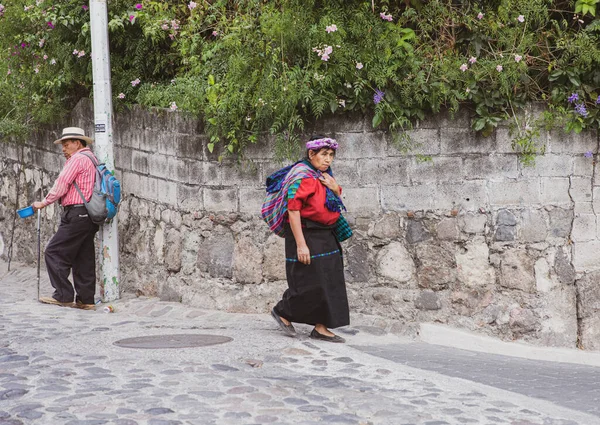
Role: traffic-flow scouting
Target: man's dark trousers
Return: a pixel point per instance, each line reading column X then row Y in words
column 72, row 247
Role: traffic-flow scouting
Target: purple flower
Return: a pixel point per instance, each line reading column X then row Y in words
column 84, row 7
column 581, row 110
column 378, row 96
column 573, row 98
column 588, row 154
column 51, row 25
column 598, row 101
column 138, row 6
column 131, row 18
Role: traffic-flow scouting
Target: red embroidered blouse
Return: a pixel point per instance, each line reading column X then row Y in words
column 310, row 201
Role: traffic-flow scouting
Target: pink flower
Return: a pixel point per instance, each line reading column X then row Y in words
column 165, row 26
column 518, row 58
column 192, row 5
column 26, row 8
column 521, row 18
column 81, row 54
column 173, row 106
column 472, row 59
column 385, row 17
column 480, row 16
column 175, row 24
column 499, row 68
column 121, row 96
column 172, row 36
column 84, row 7
column 359, row 65
column 36, row 70
column 331, row 28
column 45, row 57
column 138, row 6
column 131, row 18
column 51, row 25
column 135, row 82
column 464, row 67
column 215, row 33
column 42, row 42
column 9, row 72
column 75, row 52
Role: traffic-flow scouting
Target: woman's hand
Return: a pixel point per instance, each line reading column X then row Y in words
column 303, row 254
column 330, row 182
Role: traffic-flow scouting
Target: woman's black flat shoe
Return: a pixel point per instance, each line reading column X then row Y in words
column 316, row 335
column 288, row 329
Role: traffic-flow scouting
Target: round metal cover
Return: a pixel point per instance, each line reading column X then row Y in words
column 173, row 341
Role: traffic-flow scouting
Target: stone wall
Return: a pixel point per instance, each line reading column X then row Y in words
column 472, row 238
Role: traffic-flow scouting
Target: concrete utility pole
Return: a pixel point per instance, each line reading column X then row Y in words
column 109, row 237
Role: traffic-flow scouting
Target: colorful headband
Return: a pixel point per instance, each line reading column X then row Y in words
column 321, row 143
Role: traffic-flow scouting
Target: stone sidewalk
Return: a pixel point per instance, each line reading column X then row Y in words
column 60, row 366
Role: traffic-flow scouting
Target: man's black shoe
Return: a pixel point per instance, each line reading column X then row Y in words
column 288, row 329
column 316, row 335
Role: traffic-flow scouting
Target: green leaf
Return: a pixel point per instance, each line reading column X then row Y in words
column 211, row 147
column 211, row 80
column 377, row 118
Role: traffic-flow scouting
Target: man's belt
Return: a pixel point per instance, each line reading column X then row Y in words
column 68, row 207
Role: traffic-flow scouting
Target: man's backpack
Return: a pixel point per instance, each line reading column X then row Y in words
column 103, row 204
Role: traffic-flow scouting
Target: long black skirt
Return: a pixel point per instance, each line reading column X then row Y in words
column 316, row 292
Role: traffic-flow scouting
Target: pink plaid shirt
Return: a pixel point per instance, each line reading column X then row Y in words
column 78, row 169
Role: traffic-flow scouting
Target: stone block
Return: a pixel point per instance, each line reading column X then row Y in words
column 148, row 188
column 472, row 222
column 559, row 318
column 215, row 254
column 550, row 166
column 505, row 233
column 524, row 192
column 395, row 263
column 131, row 138
column 204, row 173
column 274, row 258
column 586, row 256
column 398, row 198
column 251, row 200
column 588, row 295
column 416, row 231
column 387, row 227
column 441, row 169
column 378, row 171
column 447, row 229
column 190, row 146
column 467, row 195
column 555, row 191
column 423, row 141
column 516, row 270
column 436, row 266
column 149, row 141
column 190, row 198
column 345, row 172
column 596, row 198
column 358, row 259
column 130, row 183
column 166, row 192
column 472, row 264
column 361, row 202
column 523, row 321
column 243, row 174
column 123, row 158
column 361, row 145
column 247, row 260
column 561, row 222
column 428, row 301
column 505, row 218
column 158, row 166
column 543, row 280
column 220, row 200
column 583, row 208
column 563, row 268
column 581, row 189
column 533, row 226
column 167, row 143
column 465, row 140
column 584, row 167
column 563, row 142
column 263, row 149
column 584, row 228
column 590, row 333
column 173, row 251
column 492, row 167
column 140, row 162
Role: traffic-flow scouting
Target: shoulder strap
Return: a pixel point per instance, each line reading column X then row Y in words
column 91, row 158
column 80, row 193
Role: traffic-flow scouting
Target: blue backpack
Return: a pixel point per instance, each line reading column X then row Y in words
column 103, row 204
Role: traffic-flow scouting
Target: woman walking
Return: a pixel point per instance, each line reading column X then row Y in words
column 304, row 206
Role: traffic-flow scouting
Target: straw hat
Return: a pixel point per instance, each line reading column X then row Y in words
column 73, row 133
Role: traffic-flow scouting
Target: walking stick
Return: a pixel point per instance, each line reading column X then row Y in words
column 38, row 254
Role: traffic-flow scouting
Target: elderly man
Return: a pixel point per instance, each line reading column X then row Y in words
column 72, row 247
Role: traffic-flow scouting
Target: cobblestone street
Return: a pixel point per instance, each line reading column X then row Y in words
column 60, row 366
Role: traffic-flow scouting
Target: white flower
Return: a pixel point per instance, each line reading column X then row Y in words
column 521, row 18
column 464, row 67
column 173, row 106
column 52, row 61
column 342, row 103
column 135, row 82
column 499, row 68
column 36, row 70
column 75, row 52
column 192, row 5
column 81, row 53
column 121, row 96
column 42, row 42
column 480, row 16
column 331, row 28
column 472, row 59
column 518, row 58
column 45, row 57
column 359, row 65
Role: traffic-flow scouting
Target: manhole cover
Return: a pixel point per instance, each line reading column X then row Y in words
column 172, row 341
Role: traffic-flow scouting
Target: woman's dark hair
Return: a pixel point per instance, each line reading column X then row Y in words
column 317, row 137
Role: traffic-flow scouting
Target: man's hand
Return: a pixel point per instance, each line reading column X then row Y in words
column 37, row 206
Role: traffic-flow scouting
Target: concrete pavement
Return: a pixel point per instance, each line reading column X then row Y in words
column 61, row 366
